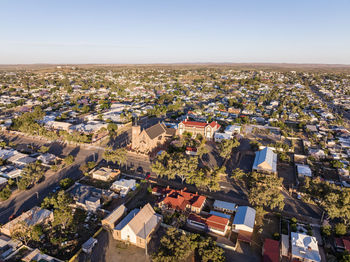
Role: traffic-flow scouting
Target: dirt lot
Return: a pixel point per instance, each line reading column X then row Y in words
column 110, row 250
column 286, row 171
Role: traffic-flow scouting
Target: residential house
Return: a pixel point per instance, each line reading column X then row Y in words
column 243, row 223
column 304, row 248
column 303, row 171
column 212, row 223
column 32, row 217
column 37, row 255
column 8, row 246
column 218, row 137
column 123, row 186
column 89, row 197
column 105, row 174
column 47, row 158
column 199, row 128
column 224, row 206
column 271, row 250
column 55, row 125
column 342, row 244
column 265, row 161
column 137, row 227
column 179, row 200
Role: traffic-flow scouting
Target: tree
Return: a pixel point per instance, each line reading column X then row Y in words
column 116, row 156
column 208, row 251
column 175, row 246
column 22, row 232
column 44, row 149
column 63, row 213
column 337, row 204
column 340, row 229
column 36, row 232
column 183, row 166
column 68, row 160
column 265, row 191
column 226, row 147
column 238, row 174
column 5, row 193
column 66, row 183
column 31, row 174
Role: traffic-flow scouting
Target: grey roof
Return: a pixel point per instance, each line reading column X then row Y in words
column 224, row 205
column 305, row 247
column 156, row 130
column 265, row 155
column 89, row 243
column 141, row 222
column 116, row 214
column 81, row 193
column 245, row 216
column 127, row 219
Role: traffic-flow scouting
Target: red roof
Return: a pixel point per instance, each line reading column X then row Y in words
column 214, row 222
column 179, row 199
column 194, row 123
column 193, row 149
column 217, row 222
column 271, row 251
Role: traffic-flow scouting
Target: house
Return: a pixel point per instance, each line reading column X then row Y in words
column 232, row 129
column 55, row 125
column 317, row 153
column 304, row 248
column 179, row 200
column 105, row 174
column 8, row 246
column 303, row 171
column 123, row 186
column 224, row 206
column 111, row 220
column 47, row 158
column 199, row 128
column 149, row 139
column 243, row 223
column 137, row 227
column 89, row 245
column 37, row 255
column 3, row 182
column 212, row 223
column 342, row 244
column 271, row 251
column 265, row 161
column 89, row 197
column 32, row 217
column 218, row 137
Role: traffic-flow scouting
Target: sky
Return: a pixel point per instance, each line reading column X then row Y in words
column 174, row 31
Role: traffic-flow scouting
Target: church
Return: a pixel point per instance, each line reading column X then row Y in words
column 146, row 140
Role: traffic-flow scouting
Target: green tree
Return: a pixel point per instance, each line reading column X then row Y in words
column 66, row 183
column 238, row 174
column 44, row 149
column 226, row 147
column 340, row 229
column 116, row 156
column 209, row 251
column 5, row 193
column 68, row 160
column 265, row 191
column 36, row 232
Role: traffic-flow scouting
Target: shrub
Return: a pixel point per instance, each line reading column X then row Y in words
column 276, row 236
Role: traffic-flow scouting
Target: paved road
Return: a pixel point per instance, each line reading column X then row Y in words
column 25, row 200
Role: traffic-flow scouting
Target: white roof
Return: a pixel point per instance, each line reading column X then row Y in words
column 304, row 170
column 131, row 183
column 3, row 180
column 304, row 246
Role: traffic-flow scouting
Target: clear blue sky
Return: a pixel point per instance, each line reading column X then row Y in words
column 171, row 31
